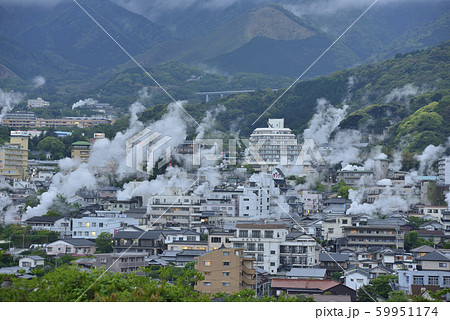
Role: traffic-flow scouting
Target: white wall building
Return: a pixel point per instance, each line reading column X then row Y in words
column 267, row 243
column 92, row 226
column 37, row 103
column 444, row 171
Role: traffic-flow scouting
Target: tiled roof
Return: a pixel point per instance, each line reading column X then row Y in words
column 148, row 235
column 333, row 257
column 78, row 242
column 434, row 256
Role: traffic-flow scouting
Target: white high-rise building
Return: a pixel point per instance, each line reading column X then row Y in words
column 273, row 145
column 444, row 171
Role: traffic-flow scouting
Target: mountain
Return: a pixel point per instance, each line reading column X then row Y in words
column 395, row 80
column 268, row 40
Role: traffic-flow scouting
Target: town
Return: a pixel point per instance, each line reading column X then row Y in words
column 268, row 214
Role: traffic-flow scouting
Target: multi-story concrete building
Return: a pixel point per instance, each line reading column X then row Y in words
column 80, row 150
column 365, row 236
column 30, row 121
column 268, row 244
column 151, row 242
column 37, row 103
column 14, row 157
column 173, row 209
column 352, row 175
column 217, row 239
column 444, row 171
column 413, row 282
column 446, row 223
column 312, row 201
column 91, row 226
column 225, row 270
column 273, row 145
column 121, row 262
column 333, row 226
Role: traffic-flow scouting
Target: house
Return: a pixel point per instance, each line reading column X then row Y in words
column 436, row 236
column 31, row 261
column 413, row 282
column 434, row 261
column 306, row 273
column 374, row 235
column 421, row 251
column 74, row 247
column 151, row 241
column 180, row 235
column 188, row 245
column 333, row 262
column 225, row 270
column 379, row 270
column 59, row 224
column 179, row 258
column 125, row 262
column 356, row 278
column 311, row 287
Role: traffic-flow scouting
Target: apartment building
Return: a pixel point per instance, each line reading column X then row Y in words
column 269, row 245
column 332, row 226
column 151, row 242
column 91, row 226
column 365, row 236
column 14, row 157
column 217, row 239
column 37, row 103
column 173, row 209
column 444, row 171
column 121, row 262
column 413, row 282
column 225, row 270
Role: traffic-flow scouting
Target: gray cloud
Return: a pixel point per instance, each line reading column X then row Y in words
column 46, row 3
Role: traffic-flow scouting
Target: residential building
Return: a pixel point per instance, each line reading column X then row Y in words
column 121, row 262
column 446, row 223
column 356, row 278
column 352, row 175
column 31, row 261
column 61, row 224
column 188, row 245
column 178, row 258
column 333, row 262
column 269, row 245
column 80, row 150
column 217, row 239
column 310, row 287
column 413, row 282
column 171, row 236
column 364, row 236
column 332, row 226
column 123, row 205
column 225, row 270
column 74, row 247
column 173, row 209
column 92, row 225
column 151, row 241
column 434, row 211
column 421, row 251
column 14, row 157
column 434, row 261
column 312, row 201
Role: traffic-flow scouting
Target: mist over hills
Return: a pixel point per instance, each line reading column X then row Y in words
column 57, row 39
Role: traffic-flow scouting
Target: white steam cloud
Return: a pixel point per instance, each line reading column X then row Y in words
column 8, row 99
column 402, row 94
column 38, row 82
column 80, row 103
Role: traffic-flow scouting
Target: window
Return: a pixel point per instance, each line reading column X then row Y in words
column 103, row 261
column 68, row 249
column 94, row 234
column 442, row 264
column 86, row 224
column 447, row 281
column 433, row 280
column 86, row 233
column 49, row 249
column 272, row 251
column 260, row 246
column 330, row 230
column 226, row 274
column 418, row 280
column 268, row 234
column 216, row 239
column 100, row 224
column 79, row 224
column 243, row 233
column 226, row 263
column 256, row 234
column 225, row 284
column 207, row 284
column 226, row 253
column 251, row 247
column 207, row 273
column 272, row 264
column 207, row 263
column 94, row 224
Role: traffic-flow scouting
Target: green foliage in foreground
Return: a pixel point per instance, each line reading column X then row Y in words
column 168, row 284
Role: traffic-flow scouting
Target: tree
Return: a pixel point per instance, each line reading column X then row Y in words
column 342, row 189
column 53, row 145
column 52, row 213
column 397, row 296
column 336, row 276
column 104, row 242
column 413, row 241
